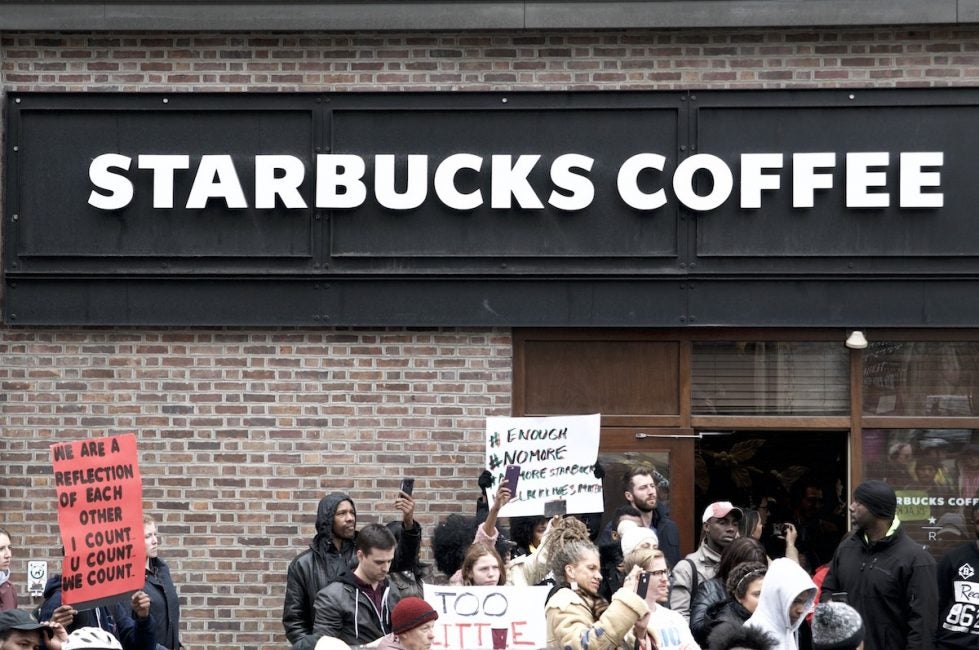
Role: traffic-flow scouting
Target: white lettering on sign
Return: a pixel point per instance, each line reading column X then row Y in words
column 341, row 180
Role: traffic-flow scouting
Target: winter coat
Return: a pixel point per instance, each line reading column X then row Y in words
column 163, row 604
column 667, row 532
column 345, row 612
column 571, row 624
column 8, row 595
column 322, row 563
column 958, row 583
column 705, row 559
column 784, row 582
column 117, row 619
column 730, row 616
column 892, row 583
column 710, row 594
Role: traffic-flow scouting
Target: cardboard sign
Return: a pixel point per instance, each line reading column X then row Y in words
column 488, row 617
column 100, row 514
column 557, row 458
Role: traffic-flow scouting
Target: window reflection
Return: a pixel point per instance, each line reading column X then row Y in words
column 935, row 473
column 921, row 378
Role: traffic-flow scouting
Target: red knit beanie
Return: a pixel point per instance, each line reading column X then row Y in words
column 411, row 612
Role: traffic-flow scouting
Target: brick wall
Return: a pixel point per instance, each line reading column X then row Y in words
column 240, row 434
column 241, row 431
column 481, row 61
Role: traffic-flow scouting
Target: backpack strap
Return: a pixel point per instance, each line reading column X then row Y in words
column 695, row 577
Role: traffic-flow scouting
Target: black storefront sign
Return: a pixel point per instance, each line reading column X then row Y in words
column 756, row 208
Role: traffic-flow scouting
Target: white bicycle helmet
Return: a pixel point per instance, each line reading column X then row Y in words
column 91, row 638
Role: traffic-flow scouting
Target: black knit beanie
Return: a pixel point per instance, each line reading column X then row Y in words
column 836, row 626
column 878, row 497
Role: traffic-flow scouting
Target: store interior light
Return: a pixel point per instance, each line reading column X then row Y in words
column 856, row 340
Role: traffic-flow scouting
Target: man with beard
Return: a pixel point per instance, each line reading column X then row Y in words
column 886, row 576
column 332, row 552
column 640, row 492
column 958, row 586
column 720, row 528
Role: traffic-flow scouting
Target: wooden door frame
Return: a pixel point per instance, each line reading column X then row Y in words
column 679, row 443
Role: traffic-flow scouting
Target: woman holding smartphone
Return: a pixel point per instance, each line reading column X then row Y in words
column 577, row 617
column 665, row 629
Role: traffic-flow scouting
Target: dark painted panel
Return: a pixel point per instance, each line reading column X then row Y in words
column 830, row 228
column 408, row 302
column 835, row 303
column 55, row 147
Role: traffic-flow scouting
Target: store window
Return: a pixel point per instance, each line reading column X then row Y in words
column 770, row 378
column 935, row 473
column 921, row 378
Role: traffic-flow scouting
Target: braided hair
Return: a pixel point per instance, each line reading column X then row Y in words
column 741, row 577
column 567, row 544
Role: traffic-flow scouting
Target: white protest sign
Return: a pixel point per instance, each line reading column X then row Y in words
column 488, row 617
column 556, row 456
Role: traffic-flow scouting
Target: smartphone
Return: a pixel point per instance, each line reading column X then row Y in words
column 555, row 508
column 778, row 530
column 643, row 585
column 512, row 476
column 407, row 485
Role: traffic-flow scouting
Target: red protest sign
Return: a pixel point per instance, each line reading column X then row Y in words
column 100, row 514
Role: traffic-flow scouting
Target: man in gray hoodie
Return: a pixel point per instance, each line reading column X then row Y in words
column 331, row 553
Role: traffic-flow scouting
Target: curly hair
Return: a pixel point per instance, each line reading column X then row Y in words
column 742, row 638
column 451, row 539
column 522, row 530
column 741, row 577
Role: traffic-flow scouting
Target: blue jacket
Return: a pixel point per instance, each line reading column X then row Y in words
column 116, row 619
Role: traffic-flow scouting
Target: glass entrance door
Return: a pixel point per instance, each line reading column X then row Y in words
column 669, row 454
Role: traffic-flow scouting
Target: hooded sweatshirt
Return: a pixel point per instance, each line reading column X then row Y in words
column 322, row 563
column 8, row 595
column 315, row 568
column 784, row 582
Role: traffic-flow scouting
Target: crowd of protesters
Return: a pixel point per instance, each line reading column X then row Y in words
column 624, row 586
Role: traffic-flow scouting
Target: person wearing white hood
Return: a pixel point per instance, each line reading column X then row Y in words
column 787, row 596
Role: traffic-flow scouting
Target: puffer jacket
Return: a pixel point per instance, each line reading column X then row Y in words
column 709, row 595
column 572, row 625
column 345, row 612
column 322, row 563
column 892, row 583
column 730, row 616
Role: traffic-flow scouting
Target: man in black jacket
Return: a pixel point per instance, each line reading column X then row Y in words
column 356, row 607
column 332, row 552
column 640, row 491
column 958, row 593
column 886, row 576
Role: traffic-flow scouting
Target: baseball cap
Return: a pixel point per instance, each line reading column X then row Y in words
column 721, row 509
column 18, row 619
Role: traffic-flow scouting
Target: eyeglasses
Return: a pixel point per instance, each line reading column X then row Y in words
column 660, row 573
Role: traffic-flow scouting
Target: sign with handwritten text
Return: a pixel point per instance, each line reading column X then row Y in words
column 488, row 617
column 556, row 458
column 100, row 515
